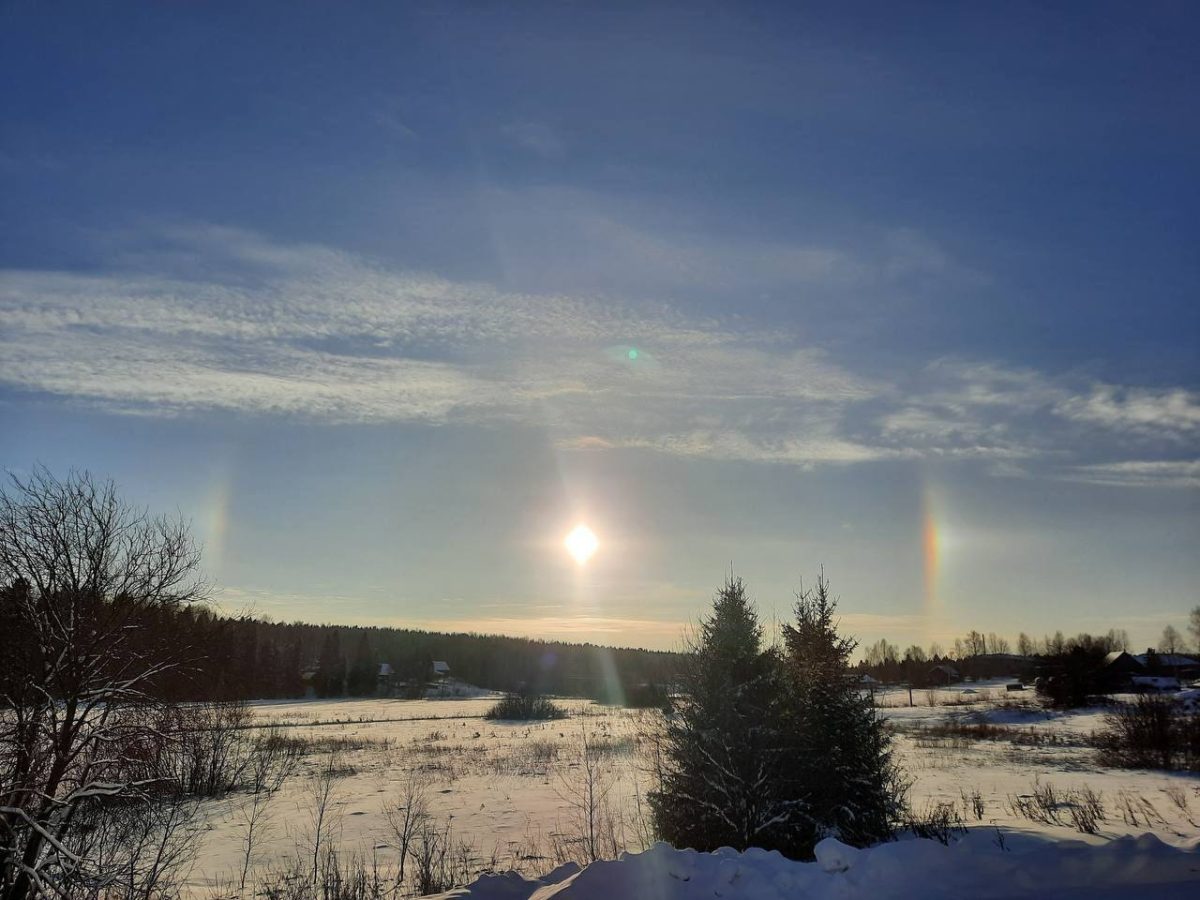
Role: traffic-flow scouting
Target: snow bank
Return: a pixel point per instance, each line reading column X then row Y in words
column 976, row 867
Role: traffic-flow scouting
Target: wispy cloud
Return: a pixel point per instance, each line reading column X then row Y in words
column 536, row 137
column 224, row 320
column 1143, row 473
column 956, row 408
column 309, row 332
column 1172, row 411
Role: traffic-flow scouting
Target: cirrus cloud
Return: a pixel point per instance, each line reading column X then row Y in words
column 216, row 319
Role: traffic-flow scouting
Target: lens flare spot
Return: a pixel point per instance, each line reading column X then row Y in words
column 581, row 543
column 633, row 354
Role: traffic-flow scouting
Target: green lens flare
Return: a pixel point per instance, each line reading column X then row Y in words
column 633, row 354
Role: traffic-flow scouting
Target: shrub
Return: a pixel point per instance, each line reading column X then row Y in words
column 646, row 696
column 524, row 707
column 940, row 822
column 1152, row 732
column 1073, row 683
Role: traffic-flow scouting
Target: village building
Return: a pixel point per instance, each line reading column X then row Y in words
column 943, row 675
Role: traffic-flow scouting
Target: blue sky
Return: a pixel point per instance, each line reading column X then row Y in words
column 354, row 288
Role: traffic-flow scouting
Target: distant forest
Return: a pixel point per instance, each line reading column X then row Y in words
column 225, row 658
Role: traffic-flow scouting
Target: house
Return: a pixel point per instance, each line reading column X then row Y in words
column 1173, row 665
column 308, row 678
column 942, row 675
column 387, row 682
column 441, row 670
column 1118, row 670
column 1123, row 671
column 1121, row 661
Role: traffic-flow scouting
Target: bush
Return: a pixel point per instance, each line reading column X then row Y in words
column 1152, row 732
column 940, row 822
column 646, row 696
column 524, row 707
column 1073, row 683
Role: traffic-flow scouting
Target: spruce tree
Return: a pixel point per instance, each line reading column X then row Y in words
column 721, row 746
column 331, row 666
column 363, row 669
column 839, row 753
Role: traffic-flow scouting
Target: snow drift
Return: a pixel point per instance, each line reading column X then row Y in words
column 976, row 867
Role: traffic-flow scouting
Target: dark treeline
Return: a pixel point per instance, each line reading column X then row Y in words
column 223, row 657
column 977, row 655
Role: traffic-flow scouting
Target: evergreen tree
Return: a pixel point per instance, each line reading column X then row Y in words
column 269, row 684
column 839, row 761
column 363, row 669
column 721, row 747
column 291, row 684
column 331, row 667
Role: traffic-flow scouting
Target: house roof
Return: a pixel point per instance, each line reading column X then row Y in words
column 1171, row 660
column 441, row 667
column 1110, row 658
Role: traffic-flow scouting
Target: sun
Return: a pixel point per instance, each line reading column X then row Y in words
column 581, row 543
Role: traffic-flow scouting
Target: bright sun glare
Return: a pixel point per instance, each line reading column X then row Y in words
column 581, row 543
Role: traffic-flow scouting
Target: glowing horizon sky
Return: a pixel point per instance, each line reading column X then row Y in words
column 387, row 298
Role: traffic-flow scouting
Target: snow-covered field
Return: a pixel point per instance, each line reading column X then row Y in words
column 505, row 789
column 1024, row 750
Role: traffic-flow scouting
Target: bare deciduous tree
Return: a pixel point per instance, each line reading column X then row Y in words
column 273, row 761
column 585, row 787
column 406, row 814
column 82, row 574
column 324, row 810
column 1171, row 640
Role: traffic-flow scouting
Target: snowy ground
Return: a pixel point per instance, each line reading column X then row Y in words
column 974, row 867
column 504, row 788
column 1031, row 749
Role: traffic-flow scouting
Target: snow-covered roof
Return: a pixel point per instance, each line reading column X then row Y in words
column 441, row 667
column 1172, row 660
column 385, row 668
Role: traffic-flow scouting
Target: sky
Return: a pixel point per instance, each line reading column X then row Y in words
column 385, row 298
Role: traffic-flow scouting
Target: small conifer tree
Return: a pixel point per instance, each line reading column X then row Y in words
column 721, row 749
column 840, row 759
column 778, row 747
